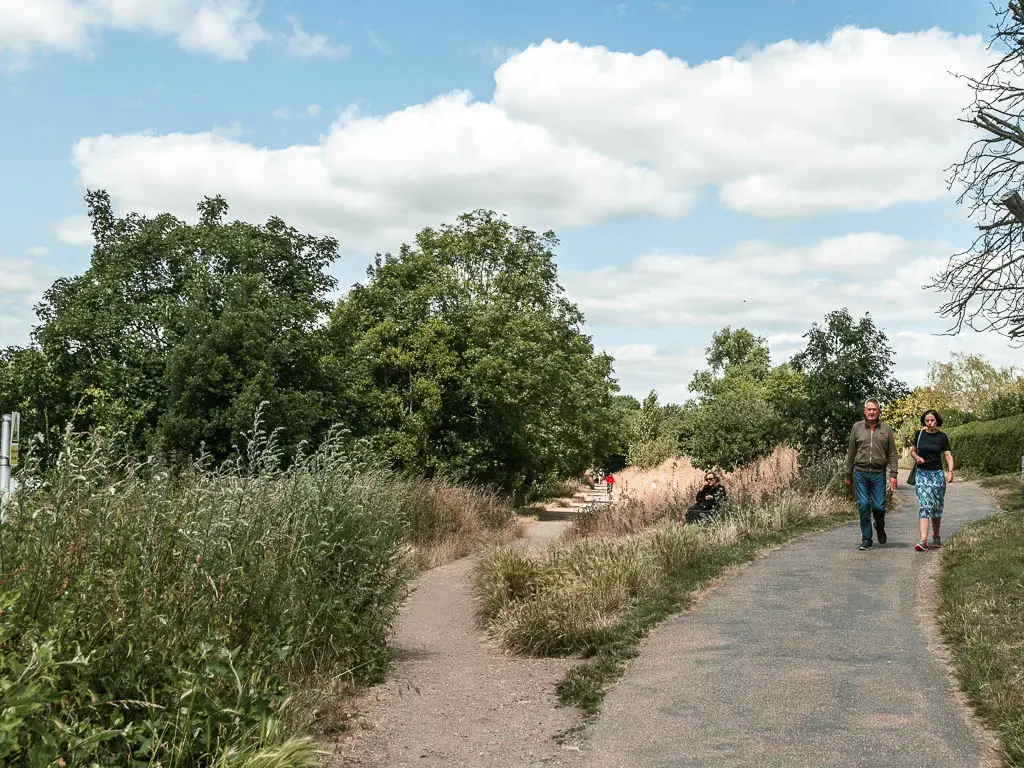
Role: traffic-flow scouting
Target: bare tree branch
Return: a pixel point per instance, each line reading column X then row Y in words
column 985, row 283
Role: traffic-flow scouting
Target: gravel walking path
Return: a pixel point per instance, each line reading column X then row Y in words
column 452, row 699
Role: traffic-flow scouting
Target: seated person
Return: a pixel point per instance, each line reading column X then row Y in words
column 710, row 498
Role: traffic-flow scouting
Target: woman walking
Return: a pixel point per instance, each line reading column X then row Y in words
column 930, row 445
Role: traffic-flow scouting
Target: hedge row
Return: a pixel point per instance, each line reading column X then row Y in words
column 990, row 447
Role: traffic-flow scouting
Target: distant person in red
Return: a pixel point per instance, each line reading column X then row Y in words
column 609, row 482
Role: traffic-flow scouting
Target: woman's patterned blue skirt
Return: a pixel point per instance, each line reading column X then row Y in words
column 931, row 492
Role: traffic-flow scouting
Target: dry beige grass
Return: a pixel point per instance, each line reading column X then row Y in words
column 648, row 496
column 678, row 475
column 448, row 521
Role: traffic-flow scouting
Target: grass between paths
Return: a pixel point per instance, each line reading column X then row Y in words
column 981, row 613
column 598, row 597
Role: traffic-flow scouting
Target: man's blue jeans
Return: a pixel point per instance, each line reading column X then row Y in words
column 870, row 490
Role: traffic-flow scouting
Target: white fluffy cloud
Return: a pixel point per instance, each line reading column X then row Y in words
column 764, row 286
column 775, row 292
column 75, row 230
column 374, row 180
column 24, row 280
column 667, row 370
column 577, row 135
column 858, row 122
column 224, row 28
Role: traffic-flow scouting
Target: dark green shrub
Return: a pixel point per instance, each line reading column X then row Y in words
column 989, row 447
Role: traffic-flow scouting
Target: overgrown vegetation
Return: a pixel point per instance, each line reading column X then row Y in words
column 598, row 597
column 965, row 389
column 743, row 407
column 649, row 497
column 982, row 615
column 200, row 617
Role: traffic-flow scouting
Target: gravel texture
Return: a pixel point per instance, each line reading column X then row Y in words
column 452, row 698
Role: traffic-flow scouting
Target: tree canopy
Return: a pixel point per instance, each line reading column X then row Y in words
column 459, row 355
column 844, row 362
column 177, row 332
column 462, row 355
column 745, row 406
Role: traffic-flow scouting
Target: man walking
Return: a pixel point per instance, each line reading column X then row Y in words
column 871, row 453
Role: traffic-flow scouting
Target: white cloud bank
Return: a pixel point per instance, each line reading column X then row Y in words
column 224, row 28
column 373, row 180
column 776, row 292
column 767, row 287
column 23, row 281
column 858, row 122
column 578, row 135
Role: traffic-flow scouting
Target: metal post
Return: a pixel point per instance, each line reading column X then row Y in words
column 5, row 465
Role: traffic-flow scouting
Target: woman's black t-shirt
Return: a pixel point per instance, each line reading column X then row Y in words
column 930, row 448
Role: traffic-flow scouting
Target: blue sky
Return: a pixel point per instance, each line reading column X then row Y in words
column 765, row 161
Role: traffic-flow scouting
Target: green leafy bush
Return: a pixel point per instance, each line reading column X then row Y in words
column 990, row 447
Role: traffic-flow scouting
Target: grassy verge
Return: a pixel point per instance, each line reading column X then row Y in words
column 598, row 597
column 981, row 613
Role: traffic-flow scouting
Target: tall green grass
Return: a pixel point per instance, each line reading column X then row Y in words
column 201, row 617
column 981, row 613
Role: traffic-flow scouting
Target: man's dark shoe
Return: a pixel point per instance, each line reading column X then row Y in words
column 864, row 545
column 880, row 528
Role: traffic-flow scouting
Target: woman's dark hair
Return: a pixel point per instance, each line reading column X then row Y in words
column 933, row 412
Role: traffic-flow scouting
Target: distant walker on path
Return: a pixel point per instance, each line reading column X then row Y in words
column 871, row 453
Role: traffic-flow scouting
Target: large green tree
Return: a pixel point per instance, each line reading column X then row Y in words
column 461, row 355
column 845, row 362
column 746, row 407
column 653, row 432
column 177, row 332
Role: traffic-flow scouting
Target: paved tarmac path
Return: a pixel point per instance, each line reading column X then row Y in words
column 816, row 655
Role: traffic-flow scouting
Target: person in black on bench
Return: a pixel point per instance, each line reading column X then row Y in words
column 710, row 499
